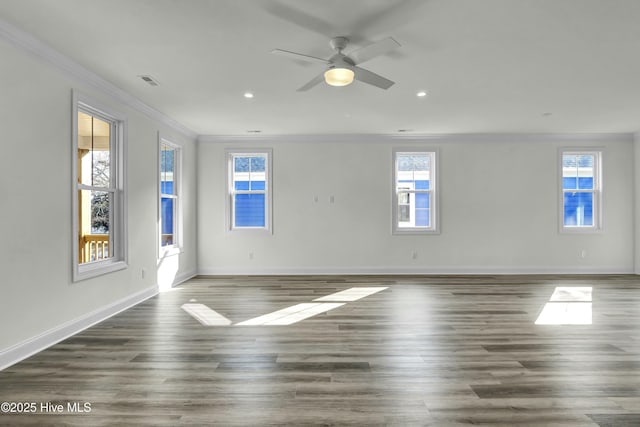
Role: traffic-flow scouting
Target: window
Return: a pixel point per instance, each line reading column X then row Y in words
column 98, row 187
column 414, row 192
column 170, row 212
column 249, row 187
column 581, row 190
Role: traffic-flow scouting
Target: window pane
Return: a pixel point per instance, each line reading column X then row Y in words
column 249, row 210
column 414, row 188
column 167, row 212
column 241, row 185
column 403, row 198
column 166, row 160
column 404, row 213
column 413, row 168
column 422, row 217
column 569, row 161
column 570, row 183
column 579, row 173
column 166, row 187
column 422, row 201
column 250, row 173
column 257, row 185
column 405, row 163
column 93, row 151
column 100, row 202
column 422, row 184
column 585, row 161
column 241, row 164
column 167, row 170
column 421, row 163
column 578, row 209
column 585, row 183
column 258, row 164
column 413, row 162
column 94, row 225
column 169, row 201
column 249, row 177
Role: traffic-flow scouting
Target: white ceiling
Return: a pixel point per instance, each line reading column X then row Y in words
column 489, row 66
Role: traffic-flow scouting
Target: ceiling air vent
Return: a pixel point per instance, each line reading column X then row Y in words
column 150, row 80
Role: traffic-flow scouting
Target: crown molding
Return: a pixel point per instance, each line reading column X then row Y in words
column 444, row 138
column 32, row 45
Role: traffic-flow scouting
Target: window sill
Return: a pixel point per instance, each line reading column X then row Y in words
column 170, row 251
column 580, row 230
column 250, row 230
column 414, row 232
column 91, row 270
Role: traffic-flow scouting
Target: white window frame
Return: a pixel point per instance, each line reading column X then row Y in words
column 118, row 209
column 597, row 190
column 434, row 211
column 230, row 154
column 177, row 199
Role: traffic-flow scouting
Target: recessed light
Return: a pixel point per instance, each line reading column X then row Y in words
column 248, row 95
column 254, row 131
column 547, row 114
column 405, row 130
column 421, row 94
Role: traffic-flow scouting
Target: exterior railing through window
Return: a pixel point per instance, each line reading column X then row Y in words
column 94, row 247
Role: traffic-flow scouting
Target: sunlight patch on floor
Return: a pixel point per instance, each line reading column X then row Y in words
column 563, row 293
column 285, row 316
column 352, row 294
column 205, row 315
column 290, row 315
column 567, row 306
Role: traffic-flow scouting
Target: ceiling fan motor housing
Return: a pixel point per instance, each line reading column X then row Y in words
column 338, row 43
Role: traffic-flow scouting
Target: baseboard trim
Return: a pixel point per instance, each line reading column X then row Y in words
column 470, row 270
column 31, row 346
column 183, row 278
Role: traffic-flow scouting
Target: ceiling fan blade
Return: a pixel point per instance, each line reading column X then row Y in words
column 371, row 51
column 386, row 19
column 300, row 56
column 313, row 82
column 300, row 18
column 371, row 78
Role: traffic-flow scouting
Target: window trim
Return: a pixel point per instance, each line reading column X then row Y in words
column 434, row 153
column 177, row 246
column 597, row 192
column 119, row 261
column 268, row 222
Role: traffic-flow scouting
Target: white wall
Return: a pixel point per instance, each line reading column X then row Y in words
column 38, row 300
column 499, row 208
column 636, row 156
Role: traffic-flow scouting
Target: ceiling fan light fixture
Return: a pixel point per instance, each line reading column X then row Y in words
column 339, row 76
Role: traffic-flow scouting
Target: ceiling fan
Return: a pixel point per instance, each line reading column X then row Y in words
column 343, row 69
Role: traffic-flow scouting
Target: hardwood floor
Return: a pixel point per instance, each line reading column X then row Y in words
column 428, row 350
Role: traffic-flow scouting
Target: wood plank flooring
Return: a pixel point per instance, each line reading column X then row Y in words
column 429, row 350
